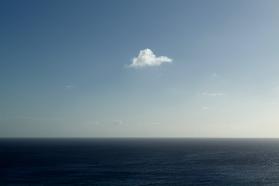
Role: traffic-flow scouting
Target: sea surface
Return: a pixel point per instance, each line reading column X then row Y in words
column 139, row 162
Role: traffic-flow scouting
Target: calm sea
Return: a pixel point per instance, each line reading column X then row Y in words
column 139, row 162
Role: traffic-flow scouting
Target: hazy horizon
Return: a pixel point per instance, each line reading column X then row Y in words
column 139, row 68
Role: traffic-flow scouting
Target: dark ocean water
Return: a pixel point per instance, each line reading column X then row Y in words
column 139, row 162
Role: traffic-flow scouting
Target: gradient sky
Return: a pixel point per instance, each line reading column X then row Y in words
column 65, row 68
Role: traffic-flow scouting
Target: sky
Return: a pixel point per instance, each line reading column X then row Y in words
column 160, row 68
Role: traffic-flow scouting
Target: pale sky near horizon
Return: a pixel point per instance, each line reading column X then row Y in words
column 172, row 68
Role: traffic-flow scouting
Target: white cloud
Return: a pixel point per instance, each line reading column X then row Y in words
column 205, row 108
column 214, row 75
column 117, row 122
column 69, row 86
column 97, row 123
column 146, row 58
column 213, row 94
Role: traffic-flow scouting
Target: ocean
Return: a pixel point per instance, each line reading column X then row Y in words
column 139, row 162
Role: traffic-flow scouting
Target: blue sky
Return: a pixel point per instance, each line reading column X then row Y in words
column 66, row 68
